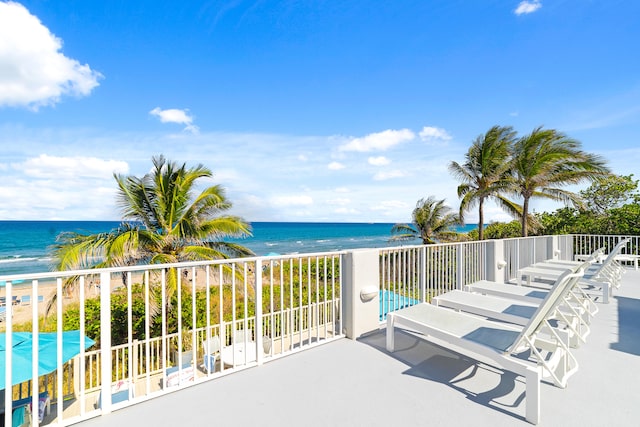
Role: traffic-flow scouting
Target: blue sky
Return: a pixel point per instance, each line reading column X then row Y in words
column 303, row 110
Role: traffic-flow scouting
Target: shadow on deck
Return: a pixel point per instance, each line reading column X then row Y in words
column 628, row 326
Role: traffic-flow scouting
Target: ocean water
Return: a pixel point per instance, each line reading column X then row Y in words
column 24, row 245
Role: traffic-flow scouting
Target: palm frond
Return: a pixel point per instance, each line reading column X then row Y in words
column 486, row 171
column 545, row 160
column 170, row 224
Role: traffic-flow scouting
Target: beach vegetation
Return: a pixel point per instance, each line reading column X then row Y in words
column 432, row 222
column 613, row 191
column 485, row 173
column 288, row 286
column 499, row 230
column 611, row 206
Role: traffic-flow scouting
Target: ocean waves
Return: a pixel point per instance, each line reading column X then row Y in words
column 289, row 246
column 19, row 258
column 24, row 264
column 25, row 245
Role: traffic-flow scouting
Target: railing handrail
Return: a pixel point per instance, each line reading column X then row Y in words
column 145, row 267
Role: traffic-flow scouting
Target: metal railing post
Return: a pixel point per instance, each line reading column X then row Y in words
column 105, row 341
column 459, row 266
column 8, row 395
column 258, row 311
column 423, row 274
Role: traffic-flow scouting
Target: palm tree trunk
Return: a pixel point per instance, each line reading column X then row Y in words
column 525, row 215
column 480, row 220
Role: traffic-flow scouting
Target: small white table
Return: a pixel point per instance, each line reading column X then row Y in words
column 239, row 354
column 634, row 259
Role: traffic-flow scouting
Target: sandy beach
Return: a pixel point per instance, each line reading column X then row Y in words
column 23, row 311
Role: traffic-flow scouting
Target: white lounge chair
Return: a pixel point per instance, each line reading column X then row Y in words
column 498, row 343
column 595, row 256
column 574, row 317
column 532, row 295
column 601, row 277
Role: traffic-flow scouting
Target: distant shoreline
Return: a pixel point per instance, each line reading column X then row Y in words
column 24, row 245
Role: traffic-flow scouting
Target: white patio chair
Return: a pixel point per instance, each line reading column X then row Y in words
column 266, row 345
column 211, row 352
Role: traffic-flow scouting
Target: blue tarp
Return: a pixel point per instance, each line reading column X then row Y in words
column 22, row 343
column 390, row 301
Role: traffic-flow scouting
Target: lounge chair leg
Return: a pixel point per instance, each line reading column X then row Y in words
column 390, row 332
column 606, row 291
column 532, row 395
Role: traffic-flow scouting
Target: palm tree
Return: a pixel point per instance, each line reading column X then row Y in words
column 432, row 221
column 485, row 174
column 164, row 223
column 546, row 160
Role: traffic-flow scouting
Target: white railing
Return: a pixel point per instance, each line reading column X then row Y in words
column 286, row 323
column 585, row 244
column 413, row 274
column 524, row 251
column 148, row 320
column 409, row 275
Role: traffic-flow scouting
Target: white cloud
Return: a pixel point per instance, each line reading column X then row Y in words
column 341, row 201
column 383, row 176
column 292, row 200
column 349, row 211
column 302, row 157
column 334, row 166
column 434, row 135
column 526, row 7
column 61, row 185
column 379, row 161
column 174, row 115
column 33, row 71
column 390, row 206
column 52, row 167
column 56, row 187
column 492, row 211
column 379, row 141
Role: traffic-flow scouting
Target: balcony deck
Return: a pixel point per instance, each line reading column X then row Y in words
column 349, row 382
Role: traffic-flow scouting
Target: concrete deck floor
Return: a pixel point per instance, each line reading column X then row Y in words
column 358, row 383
